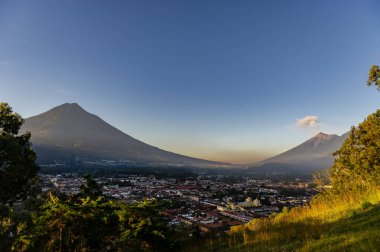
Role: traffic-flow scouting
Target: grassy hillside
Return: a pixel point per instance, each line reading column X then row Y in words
column 349, row 222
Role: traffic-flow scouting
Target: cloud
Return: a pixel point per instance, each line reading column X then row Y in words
column 310, row 121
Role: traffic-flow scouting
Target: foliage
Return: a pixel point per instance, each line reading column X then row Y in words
column 91, row 189
column 357, row 163
column 70, row 224
column 87, row 223
column 331, row 222
column 374, row 77
column 143, row 228
column 18, row 174
column 321, row 179
column 18, row 169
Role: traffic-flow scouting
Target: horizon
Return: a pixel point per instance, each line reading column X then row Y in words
column 244, row 164
column 218, row 81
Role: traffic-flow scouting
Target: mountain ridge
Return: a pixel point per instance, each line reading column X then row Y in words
column 320, row 145
column 313, row 154
column 70, row 132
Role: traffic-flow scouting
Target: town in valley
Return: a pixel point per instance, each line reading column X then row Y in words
column 207, row 202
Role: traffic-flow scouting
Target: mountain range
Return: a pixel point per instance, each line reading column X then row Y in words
column 68, row 134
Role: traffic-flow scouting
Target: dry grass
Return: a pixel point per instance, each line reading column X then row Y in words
column 344, row 222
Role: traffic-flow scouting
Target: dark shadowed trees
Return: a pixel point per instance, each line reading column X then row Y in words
column 18, row 173
column 91, row 189
column 18, row 169
column 87, row 223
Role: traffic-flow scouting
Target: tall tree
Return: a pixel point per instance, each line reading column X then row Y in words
column 357, row 163
column 18, row 168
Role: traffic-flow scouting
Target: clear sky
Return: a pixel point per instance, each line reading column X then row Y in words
column 221, row 80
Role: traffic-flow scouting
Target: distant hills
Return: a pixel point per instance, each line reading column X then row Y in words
column 314, row 154
column 68, row 134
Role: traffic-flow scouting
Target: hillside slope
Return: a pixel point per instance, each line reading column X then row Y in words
column 68, row 133
column 349, row 223
column 320, row 146
column 304, row 159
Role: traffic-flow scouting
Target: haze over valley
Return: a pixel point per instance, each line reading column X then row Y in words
column 68, row 134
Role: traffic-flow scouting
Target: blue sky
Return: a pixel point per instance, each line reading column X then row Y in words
column 222, row 80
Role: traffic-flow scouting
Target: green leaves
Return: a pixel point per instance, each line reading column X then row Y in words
column 357, row 163
column 10, row 122
column 17, row 159
column 374, row 77
column 91, row 189
column 87, row 223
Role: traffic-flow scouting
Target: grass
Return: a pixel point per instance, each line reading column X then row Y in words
column 348, row 222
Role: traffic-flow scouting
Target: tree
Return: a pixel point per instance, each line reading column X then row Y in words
column 91, row 189
column 357, row 163
column 18, row 168
column 85, row 222
column 374, row 77
column 71, row 224
column 143, row 228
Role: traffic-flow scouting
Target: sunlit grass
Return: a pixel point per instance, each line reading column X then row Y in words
column 344, row 222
